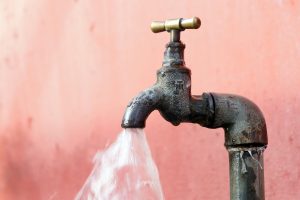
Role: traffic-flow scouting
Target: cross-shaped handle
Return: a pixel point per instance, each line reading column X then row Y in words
column 179, row 24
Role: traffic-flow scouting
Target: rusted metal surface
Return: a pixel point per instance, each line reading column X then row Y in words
column 243, row 122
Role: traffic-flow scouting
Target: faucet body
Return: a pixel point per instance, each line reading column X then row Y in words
column 241, row 119
column 243, row 122
column 170, row 95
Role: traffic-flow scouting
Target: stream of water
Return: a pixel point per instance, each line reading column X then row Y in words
column 124, row 171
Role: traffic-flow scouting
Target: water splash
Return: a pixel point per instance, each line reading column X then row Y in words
column 125, row 171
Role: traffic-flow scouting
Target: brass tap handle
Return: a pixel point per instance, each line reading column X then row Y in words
column 175, row 24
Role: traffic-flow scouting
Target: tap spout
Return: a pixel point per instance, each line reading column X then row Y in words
column 140, row 107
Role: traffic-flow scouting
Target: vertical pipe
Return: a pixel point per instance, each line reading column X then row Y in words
column 246, row 173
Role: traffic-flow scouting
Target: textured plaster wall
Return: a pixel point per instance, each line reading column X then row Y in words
column 68, row 69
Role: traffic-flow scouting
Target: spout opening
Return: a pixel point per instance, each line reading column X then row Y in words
column 140, row 108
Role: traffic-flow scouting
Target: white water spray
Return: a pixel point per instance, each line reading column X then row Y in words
column 124, row 171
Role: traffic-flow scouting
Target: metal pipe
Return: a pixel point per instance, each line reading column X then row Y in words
column 246, row 173
column 242, row 121
column 245, row 139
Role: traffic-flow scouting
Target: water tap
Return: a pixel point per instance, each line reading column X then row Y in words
column 242, row 121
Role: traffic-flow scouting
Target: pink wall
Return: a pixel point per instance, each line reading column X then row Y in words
column 69, row 68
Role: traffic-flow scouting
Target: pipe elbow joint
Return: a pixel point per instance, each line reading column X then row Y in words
column 242, row 120
column 140, row 107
